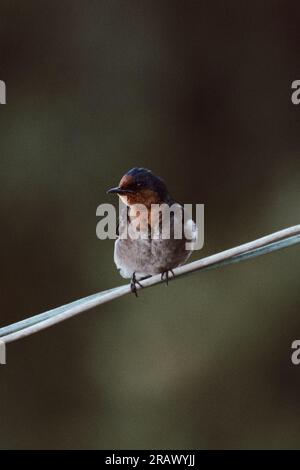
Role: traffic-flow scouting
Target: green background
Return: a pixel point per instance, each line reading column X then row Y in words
column 199, row 92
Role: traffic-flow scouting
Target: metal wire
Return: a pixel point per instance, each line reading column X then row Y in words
column 273, row 242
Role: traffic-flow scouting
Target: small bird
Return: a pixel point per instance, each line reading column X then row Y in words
column 149, row 254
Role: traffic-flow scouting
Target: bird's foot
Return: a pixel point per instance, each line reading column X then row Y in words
column 165, row 276
column 133, row 283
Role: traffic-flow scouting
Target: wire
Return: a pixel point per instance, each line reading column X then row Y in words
column 273, row 242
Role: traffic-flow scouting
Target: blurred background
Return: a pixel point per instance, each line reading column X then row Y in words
column 199, row 92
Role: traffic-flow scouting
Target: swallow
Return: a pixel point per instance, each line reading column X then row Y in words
column 150, row 253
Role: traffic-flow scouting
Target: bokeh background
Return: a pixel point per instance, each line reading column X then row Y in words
column 200, row 92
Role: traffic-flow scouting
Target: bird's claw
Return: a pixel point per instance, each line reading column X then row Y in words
column 133, row 284
column 165, row 275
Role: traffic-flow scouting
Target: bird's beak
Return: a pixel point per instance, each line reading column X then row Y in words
column 118, row 190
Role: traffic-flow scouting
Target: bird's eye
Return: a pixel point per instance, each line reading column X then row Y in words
column 138, row 185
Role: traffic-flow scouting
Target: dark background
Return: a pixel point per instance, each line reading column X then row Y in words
column 200, row 92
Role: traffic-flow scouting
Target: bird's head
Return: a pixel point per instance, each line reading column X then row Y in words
column 141, row 186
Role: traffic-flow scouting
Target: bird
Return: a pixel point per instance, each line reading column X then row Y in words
column 150, row 253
